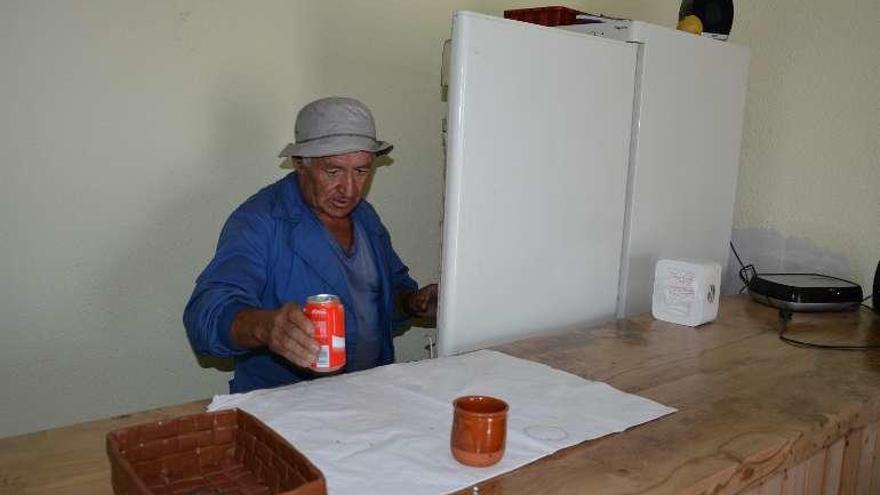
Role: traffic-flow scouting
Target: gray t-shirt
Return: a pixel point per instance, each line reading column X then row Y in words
column 365, row 287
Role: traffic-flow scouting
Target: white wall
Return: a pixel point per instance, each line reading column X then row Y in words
column 808, row 196
column 810, row 165
column 128, row 133
column 129, row 130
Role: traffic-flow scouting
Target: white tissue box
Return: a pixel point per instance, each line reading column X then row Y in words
column 686, row 293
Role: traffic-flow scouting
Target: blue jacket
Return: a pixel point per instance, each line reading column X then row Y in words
column 272, row 251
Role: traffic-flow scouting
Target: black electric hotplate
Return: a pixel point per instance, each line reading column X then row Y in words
column 804, row 291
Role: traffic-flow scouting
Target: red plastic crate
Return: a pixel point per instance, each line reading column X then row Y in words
column 546, row 16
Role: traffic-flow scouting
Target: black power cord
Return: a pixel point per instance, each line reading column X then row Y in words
column 785, row 316
column 865, row 299
column 748, row 272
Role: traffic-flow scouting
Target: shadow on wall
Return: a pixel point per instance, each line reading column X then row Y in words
column 380, row 161
column 168, row 253
column 769, row 251
column 220, row 364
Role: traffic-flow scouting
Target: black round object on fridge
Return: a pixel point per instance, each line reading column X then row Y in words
column 716, row 15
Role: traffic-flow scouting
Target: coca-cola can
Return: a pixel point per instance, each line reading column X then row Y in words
column 328, row 317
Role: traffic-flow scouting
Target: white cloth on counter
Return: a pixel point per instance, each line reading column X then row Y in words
column 386, row 430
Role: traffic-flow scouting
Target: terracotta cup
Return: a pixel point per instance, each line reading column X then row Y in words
column 479, row 430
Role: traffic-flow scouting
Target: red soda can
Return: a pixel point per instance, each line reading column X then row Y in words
column 328, row 316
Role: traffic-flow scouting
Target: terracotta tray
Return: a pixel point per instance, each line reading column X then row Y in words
column 225, row 452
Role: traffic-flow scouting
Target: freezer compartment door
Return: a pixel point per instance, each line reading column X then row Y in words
column 686, row 158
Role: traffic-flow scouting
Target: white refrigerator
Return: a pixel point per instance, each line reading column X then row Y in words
column 574, row 161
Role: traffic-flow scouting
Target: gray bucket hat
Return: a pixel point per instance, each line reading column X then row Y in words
column 334, row 126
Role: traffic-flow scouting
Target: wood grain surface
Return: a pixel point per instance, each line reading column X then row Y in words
column 749, row 404
column 71, row 460
column 826, row 473
column 755, row 415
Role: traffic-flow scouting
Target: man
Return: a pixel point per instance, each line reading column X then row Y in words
column 309, row 233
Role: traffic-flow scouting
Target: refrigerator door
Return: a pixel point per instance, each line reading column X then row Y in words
column 686, row 158
column 538, row 143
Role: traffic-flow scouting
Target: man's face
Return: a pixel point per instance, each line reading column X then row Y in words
column 333, row 185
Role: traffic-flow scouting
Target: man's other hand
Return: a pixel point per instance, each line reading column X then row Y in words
column 423, row 302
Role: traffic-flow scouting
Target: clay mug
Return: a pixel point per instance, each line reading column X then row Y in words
column 479, row 430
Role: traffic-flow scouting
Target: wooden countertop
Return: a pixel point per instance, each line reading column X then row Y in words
column 749, row 405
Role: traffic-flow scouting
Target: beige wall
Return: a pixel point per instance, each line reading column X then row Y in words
column 130, row 130
column 809, row 183
column 810, row 164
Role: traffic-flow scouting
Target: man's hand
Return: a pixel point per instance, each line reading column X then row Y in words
column 423, row 302
column 285, row 331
